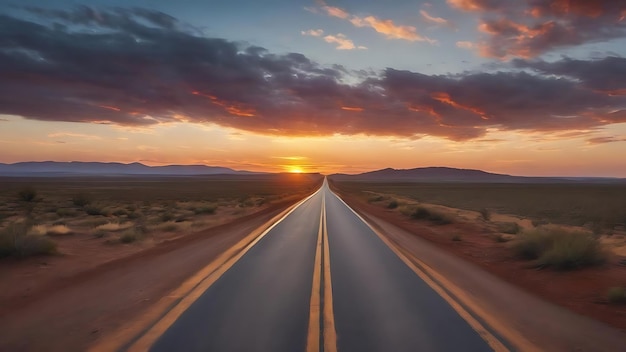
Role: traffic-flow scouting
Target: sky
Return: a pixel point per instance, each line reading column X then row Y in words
column 524, row 87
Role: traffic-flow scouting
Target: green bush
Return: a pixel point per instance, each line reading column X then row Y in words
column 81, row 200
column 27, row 194
column 206, row 209
column 559, row 248
column 617, row 295
column 15, row 241
column 129, row 236
column 422, row 213
column 94, row 210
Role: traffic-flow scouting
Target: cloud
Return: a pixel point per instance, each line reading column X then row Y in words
column 465, row 45
column 604, row 140
column 387, row 28
column 313, row 32
column 342, row 42
column 133, row 73
column 73, row 135
column 433, row 19
column 528, row 28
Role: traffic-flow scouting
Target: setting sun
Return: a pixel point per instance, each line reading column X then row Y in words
column 295, row 170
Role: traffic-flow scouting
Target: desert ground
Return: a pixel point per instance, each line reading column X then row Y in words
column 56, row 228
column 489, row 224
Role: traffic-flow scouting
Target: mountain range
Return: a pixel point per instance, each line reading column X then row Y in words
column 447, row 174
column 53, row 168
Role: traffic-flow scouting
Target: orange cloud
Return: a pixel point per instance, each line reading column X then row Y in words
column 433, row 19
column 343, row 43
column 386, row 27
column 349, row 108
column 231, row 109
column 445, row 98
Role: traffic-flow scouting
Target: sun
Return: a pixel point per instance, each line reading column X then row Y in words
column 295, row 170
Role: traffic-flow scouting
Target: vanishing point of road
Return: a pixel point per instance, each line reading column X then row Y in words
column 319, row 279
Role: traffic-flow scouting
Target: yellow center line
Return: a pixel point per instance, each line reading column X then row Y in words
column 329, row 334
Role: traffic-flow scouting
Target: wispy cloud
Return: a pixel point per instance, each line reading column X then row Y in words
column 607, row 139
column 388, row 27
column 313, row 32
column 73, row 135
column 434, row 19
column 343, row 43
column 465, row 45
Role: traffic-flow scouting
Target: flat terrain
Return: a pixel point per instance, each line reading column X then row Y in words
column 90, row 221
column 599, row 206
column 455, row 221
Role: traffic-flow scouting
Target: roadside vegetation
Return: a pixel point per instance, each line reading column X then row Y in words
column 37, row 213
column 559, row 248
column 598, row 207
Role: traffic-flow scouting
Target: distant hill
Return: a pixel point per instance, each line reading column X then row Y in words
column 53, row 168
column 447, row 174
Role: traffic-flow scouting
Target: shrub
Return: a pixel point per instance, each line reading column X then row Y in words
column 81, row 199
column 511, row 228
column 167, row 216
column 15, row 240
column 27, row 194
column 559, row 248
column 120, row 212
column 129, row 236
column 422, row 213
column 485, row 214
column 207, row 209
column 393, row 204
column 65, row 212
column 617, row 295
column 94, row 210
column 375, row 198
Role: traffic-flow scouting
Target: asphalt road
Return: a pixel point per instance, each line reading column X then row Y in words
column 263, row 302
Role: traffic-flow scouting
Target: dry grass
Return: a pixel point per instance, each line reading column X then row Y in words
column 576, row 204
column 124, row 209
column 559, row 248
column 15, row 240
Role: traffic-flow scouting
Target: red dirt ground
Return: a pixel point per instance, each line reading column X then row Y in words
column 583, row 291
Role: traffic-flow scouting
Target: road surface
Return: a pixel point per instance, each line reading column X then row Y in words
column 320, row 279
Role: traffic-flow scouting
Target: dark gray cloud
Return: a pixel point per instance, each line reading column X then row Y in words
column 527, row 28
column 138, row 67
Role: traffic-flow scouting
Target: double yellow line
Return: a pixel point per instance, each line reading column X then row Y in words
column 322, row 318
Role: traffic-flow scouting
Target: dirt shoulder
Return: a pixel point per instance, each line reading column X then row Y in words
column 67, row 313
column 582, row 291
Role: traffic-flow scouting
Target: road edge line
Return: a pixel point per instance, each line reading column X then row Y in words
column 126, row 337
column 439, row 288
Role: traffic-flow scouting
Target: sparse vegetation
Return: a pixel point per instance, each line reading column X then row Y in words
column 559, row 248
column 511, row 228
column 375, row 198
column 129, row 236
column 205, row 209
column 27, row 194
column 15, row 240
column 617, row 295
column 485, row 214
column 393, row 204
column 81, row 199
column 436, row 217
column 573, row 204
column 94, row 210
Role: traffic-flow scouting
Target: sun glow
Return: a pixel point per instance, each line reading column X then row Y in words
column 295, row 170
